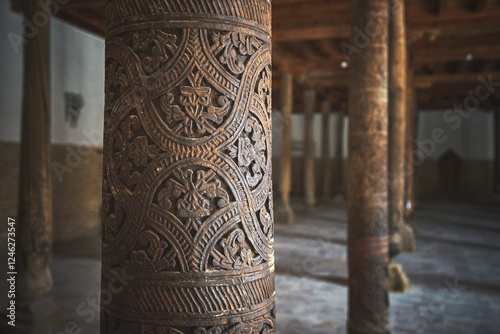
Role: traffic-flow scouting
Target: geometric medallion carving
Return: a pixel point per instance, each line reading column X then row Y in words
column 187, row 200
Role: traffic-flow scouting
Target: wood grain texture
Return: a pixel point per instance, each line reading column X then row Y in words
column 187, row 199
column 285, row 211
column 401, row 235
column 496, row 117
column 326, row 191
column 411, row 137
column 339, row 156
column 34, row 228
column 309, row 155
column 367, row 175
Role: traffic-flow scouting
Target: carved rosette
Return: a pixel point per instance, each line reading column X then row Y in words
column 187, row 201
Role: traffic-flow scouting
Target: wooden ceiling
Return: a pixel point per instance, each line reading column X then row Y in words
column 451, row 44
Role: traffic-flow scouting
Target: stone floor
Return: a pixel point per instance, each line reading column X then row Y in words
column 455, row 274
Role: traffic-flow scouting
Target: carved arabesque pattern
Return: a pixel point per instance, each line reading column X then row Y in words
column 187, row 202
column 196, row 115
column 192, row 196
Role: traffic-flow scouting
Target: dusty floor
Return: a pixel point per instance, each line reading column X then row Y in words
column 455, row 274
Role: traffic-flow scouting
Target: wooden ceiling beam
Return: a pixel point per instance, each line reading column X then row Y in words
column 328, row 78
column 311, row 30
column 430, row 54
column 432, row 80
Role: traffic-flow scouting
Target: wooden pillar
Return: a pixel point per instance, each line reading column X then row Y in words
column 325, row 153
column 339, row 156
column 367, row 174
column 401, row 235
column 187, row 196
column 285, row 212
column 309, row 154
column 411, row 117
column 35, row 190
column 496, row 190
column 36, row 312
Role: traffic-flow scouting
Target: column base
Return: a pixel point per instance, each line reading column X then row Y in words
column 398, row 281
column 408, row 244
column 402, row 241
column 40, row 316
column 284, row 215
column 310, row 203
column 355, row 327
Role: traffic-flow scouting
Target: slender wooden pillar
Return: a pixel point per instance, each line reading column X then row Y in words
column 339, row 156
column 325, row 153
column 367, row 174
column 496, row 189
column 285, row 212
column 411, row 116
column 309, row 154
column 36, row 312
column 187, row 196
column 401, row 235
column 35, row 191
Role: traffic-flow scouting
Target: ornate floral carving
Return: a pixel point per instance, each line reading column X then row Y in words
column 250, row 152
column 194, row 195
column 132, row 151
column 196, row 115
column 157, row 257
column 116, row 82
column 194, row 227
column 154, row 46
column 264, row 88
column 237, row 253
column 262, row 325
column 236, row 48
column 266, row 220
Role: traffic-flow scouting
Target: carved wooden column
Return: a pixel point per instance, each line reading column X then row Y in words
column 285, row 213
column 367, row 174
column 496, row 189
column 339, row 156
column 325, row 153
column 187, row 196
column 309, row 154
column 401, row 234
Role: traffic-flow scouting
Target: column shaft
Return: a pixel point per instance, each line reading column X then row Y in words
column 401, row 235
column 497, row 152
column 285, row 212
column 367, row 174
column 411, row 112
column 339, row 156
column 34, row 233
column 187, row 196
column 325, row 152
column 309, row 154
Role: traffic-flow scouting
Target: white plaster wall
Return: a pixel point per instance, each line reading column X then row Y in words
column 471, row 138
column 77, row 65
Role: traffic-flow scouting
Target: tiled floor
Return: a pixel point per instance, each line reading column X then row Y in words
column 455, row 274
